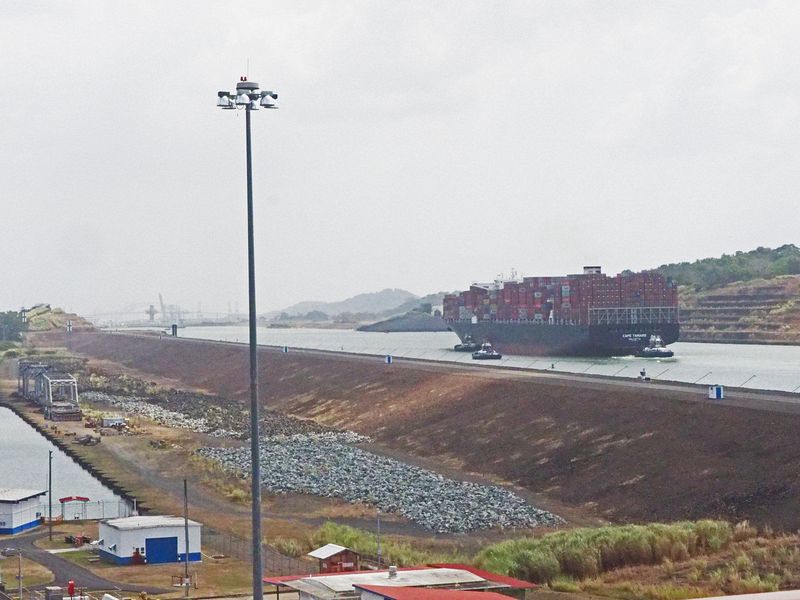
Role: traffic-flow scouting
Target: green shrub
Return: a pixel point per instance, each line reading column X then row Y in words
column 744, row 531
column 392, row 551
column 289, row 547
column 579, row 560
column 539, row 566
column 713, row 535
column 564, row 584
column 583, row 553
column 752, row 584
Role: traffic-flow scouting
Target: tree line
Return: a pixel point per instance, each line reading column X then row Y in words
column 761, row 263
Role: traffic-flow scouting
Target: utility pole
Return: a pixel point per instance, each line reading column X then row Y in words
column 186, row 539
column 378, row 514
column 50, row 495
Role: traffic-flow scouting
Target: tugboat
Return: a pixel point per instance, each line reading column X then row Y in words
column 486, row 353
column 468, row 345
column 655, row 349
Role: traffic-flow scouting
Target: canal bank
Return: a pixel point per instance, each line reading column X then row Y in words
column 73, row 474
column 757, row 367
column 619, row 450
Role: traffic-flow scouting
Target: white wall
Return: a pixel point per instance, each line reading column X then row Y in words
column 14, row 515
column 128, row 539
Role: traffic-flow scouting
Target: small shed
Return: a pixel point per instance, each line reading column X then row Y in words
column 20, row 510
column 151, row 540
column 336, row 559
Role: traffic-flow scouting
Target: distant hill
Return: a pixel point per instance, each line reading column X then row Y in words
column 373, row 303
column 761, row 263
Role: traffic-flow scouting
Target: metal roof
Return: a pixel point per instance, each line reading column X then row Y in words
column 404, row 593
column 332, row 586
column 327, row 551
column 13, row 495
column 128, row 523
column 513, row 582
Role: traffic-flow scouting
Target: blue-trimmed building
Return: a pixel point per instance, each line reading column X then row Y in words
column 20, row 510
column 150, row 540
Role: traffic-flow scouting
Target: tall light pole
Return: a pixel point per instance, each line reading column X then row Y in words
column 249, row 97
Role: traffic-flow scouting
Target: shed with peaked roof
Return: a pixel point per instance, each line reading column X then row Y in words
column 334, row 558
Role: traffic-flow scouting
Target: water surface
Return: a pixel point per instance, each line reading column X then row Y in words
column 751, row 366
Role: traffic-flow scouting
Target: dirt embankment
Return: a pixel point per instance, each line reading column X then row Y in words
column 622, row 452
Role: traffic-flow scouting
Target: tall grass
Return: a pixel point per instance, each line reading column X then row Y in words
column 585, row 553
column 365, row 542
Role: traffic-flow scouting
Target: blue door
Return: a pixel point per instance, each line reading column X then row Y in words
column 161, row 550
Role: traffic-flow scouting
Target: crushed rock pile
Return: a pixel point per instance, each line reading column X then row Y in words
column 197, row 413
column 326, row 465
column 304, row 457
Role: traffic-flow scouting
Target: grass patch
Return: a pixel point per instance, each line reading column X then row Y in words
column 393, row 551
column 587, row 552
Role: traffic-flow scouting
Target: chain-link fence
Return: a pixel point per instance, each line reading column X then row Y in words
column 93, row 510
column 274, row 562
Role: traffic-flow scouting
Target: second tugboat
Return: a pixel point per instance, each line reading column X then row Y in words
column 486, row 353
column 468, row 345
column 655, row 349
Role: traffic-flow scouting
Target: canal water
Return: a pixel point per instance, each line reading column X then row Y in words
column 751, row 366
column 23, row 464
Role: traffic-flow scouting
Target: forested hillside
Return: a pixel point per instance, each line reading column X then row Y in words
column 761, row 263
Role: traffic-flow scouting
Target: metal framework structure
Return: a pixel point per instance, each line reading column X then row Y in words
column 56, row 387
column 27, row 372
column 633, row 315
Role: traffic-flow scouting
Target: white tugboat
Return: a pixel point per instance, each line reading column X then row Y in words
column 655, row 349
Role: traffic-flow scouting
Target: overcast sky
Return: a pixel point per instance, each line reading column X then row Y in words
column 421, row 145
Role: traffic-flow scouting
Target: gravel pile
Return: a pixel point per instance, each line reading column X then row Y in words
column 205, row 414
column 326, row 465
column 143, row 408
column 305, row 457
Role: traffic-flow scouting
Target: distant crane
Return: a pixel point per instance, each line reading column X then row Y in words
column 151, row 312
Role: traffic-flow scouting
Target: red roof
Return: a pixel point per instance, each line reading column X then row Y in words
column 414, row 593
column 489, row 576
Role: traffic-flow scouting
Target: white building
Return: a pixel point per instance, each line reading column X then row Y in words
column 19, row 510
column 159, row 539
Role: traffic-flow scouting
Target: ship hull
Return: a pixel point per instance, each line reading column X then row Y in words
column 530, row 339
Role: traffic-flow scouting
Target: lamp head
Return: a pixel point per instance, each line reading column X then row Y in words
column 268, row 99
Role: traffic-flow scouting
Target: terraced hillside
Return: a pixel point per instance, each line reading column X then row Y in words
column 758, row 311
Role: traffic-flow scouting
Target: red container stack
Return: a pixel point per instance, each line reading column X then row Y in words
column 560, row 300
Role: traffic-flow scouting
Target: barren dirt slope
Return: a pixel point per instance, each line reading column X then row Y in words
column 626, row 452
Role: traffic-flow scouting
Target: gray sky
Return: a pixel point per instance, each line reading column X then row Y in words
column 421, row 145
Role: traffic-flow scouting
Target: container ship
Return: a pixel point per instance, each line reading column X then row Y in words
column 587, row 314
